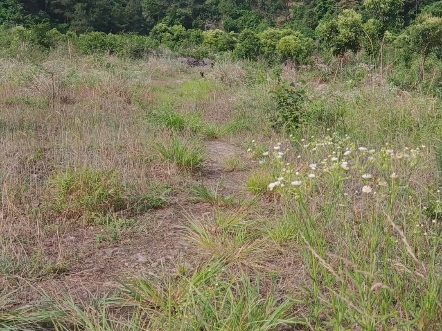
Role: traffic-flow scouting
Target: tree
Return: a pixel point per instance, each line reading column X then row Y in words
column 425, row 36
column 434, row 9
column 386, row 11
column 10, row 12
column 343, row 34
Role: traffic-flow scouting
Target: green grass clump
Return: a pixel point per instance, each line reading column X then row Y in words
column 81, row 192
column 23, row 317
column 258, row 181
column 185, row 153
column 209, row 299
column 205, row 194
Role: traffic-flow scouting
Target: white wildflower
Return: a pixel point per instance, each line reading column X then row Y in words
column 334, row 159
column 313, row 166
column 362, row 149
column 265, row 154
column 297, row 183
column 249, row 150
column 393, row 175
column 311, row 176
column 272, row 186
column 276, row 148
column 345, row 166
column 371, row 151
column 347, row 152
column 366, row 189
column 367, row 176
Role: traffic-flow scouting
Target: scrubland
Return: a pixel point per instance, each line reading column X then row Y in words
column 137, row 195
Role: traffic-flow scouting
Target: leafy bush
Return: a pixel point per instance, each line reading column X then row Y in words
column 291, row 107
column 249, row 46
column 220, row 41
column 93, row 42
column 295, row 47
column 171, row 36
column 269, row 40
column 81, row 192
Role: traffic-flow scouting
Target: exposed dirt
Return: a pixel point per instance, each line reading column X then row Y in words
column 160, row 246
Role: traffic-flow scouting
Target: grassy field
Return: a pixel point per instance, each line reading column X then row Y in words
column 137, row 195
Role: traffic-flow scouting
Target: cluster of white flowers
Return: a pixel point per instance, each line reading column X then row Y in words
column 345, row 159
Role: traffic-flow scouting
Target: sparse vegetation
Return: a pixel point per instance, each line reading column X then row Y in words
column 284, row 178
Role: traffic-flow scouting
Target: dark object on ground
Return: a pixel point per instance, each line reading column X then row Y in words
column 191, row 62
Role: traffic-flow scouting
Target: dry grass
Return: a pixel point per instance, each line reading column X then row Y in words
column 324, row 243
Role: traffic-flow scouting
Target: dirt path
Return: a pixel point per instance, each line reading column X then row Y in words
column 161, row 249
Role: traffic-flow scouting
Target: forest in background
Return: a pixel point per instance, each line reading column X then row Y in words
column 140, row 16
column 400, row 39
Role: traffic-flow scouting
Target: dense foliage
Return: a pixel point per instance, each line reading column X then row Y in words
column 383, row 33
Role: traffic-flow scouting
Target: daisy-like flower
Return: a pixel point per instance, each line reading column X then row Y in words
column 297, row 183
column 362, row 149
column 311, row 175
column 261, row 162
column 371, row 151
column 249, row 150
column 382, row 183
column 272, row 186
column 334, row 159
column 253, row 141
column 347, row 152
column 265, row 154
column 345, row 166
column 367, row 176
column 279, row 156
column 366, row 189
column 276, row 148
column 313, row 166
column 393, row 175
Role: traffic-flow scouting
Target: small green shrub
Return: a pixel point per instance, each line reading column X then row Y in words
column 186, row 154
column 81, row 192
column 291, row 107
